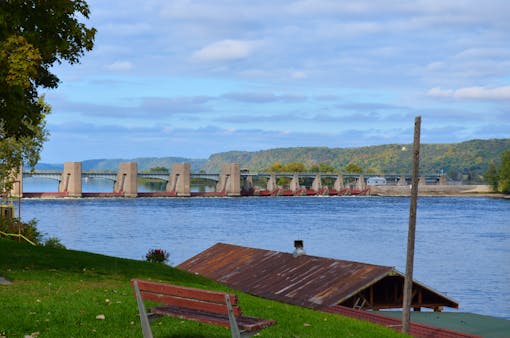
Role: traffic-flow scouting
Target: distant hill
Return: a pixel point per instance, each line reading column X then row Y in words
column 458, row 160
column 144, row 163
column 466, row 160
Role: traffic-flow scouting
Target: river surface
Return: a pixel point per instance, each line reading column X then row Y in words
column 462, row 244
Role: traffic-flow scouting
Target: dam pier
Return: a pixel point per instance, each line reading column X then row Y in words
column 230, row 181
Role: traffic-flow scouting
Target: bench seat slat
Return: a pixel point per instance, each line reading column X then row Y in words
column 245, row 323
column 190, row 303
column 194, row 304
column 186, row 292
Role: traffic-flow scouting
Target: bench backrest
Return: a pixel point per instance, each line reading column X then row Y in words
column 191, row 298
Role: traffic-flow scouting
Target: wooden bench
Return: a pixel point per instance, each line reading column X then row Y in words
column 211, row 307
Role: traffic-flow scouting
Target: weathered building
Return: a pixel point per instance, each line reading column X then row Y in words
column 315, row 282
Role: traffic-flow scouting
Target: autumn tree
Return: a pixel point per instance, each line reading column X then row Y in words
column 292, row 167
column 322, row 168
column 34, row 36
column 353, row 168
column 276, row 167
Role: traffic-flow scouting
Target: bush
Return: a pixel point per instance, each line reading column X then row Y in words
column 54, row 242
column 157, row 256
column 28, row 229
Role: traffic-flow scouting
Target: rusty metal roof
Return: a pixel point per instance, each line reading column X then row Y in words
column 304, row 280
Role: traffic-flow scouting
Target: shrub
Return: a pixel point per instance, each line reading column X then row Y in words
column 157, row 256
column 54, row 242
column 27, row 229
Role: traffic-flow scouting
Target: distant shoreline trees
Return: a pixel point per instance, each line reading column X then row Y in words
column 499, row 177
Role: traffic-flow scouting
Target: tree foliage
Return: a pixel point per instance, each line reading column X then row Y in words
column 159, row 169
column 459, row 161
column 499, row 176
column 504, row 173
column 299, row 167
column 322, row 168
column 491, row 176
column 34, row 35
column 353, row 168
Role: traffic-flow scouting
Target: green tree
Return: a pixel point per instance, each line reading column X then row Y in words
column 353, row 168
column 159, row 170
column 294, row 167
column 491, row 176
column 322, row 168
column 34, row 35
column 276, row 167
column 326, row 168
column 504, row 173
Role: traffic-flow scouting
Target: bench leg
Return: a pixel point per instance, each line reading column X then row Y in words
column 152, row 316
column 232, row 319
column 246, row 334
column 146, row 327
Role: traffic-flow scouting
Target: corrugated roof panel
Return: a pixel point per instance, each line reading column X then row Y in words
column 304, row 280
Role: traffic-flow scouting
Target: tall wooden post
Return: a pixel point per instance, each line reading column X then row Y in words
column 408, row 282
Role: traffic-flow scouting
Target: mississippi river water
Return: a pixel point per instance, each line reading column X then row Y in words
column 462, row 244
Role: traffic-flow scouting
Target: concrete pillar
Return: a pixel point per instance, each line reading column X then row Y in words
column 339, row 183
column 423, row 181
column 17, row 182
column 271, row 183
column 179, row 180
column 127, row 179
column 221, row 186
column 230, row 179
column 294, row 184
column 402, row 180
column 317, row 183
column 442, row 180
column 71, row 179
column 360, row 183
column 234, row 184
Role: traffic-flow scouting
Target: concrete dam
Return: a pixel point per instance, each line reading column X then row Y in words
column 230, row 181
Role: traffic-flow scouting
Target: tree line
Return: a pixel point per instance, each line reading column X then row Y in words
column 498, row 176
column 300, row 167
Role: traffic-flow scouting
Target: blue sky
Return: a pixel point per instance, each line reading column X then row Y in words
column 191, row 78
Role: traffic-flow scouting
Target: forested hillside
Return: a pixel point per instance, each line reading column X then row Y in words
column 466, row 160
column 144, row 164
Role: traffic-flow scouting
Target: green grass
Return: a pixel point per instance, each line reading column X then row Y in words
column 59, row 293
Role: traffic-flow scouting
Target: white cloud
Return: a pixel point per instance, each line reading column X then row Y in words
column 120, row 66
column 472, row 93
column 226, row 50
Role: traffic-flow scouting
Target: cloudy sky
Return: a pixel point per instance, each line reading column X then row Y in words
column 191, row 78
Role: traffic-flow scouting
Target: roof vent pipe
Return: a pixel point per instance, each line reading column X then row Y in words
column 299, row 248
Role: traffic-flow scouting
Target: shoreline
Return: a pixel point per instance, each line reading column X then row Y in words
column 371, row 194
column 374, row 191
column 438, row 190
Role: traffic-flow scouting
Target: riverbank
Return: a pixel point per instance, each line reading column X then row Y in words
column 67, row 293
column 437, row 190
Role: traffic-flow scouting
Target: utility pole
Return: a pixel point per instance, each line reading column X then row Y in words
column 408, row 282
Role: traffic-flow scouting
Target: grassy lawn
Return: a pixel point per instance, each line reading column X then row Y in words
column 62, row 293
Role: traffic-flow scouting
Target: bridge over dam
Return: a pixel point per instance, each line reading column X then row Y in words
column 230, row 181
